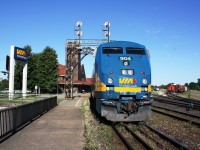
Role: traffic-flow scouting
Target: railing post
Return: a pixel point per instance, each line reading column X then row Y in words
column 15, row 112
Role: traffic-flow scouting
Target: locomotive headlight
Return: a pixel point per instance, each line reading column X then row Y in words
column 144, row 81
column 130, row 72
column 124, row 72
column 126, row 63
column 110, row 80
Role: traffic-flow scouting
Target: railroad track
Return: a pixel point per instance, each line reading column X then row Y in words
column 183, row 102
column 177, row 115
column 172, row 141
column 179, row 112
column 145, row 138
column 130, row 143
column 183, row 99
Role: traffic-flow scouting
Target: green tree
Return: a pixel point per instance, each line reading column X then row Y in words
column 42, row 70
column 198, row 82
column 18, row 75
column 187, row 85
column 28, row 49
column 48, row 70
column 163, row 86
column 4, row 84
column 193, row 86
column 33, row 72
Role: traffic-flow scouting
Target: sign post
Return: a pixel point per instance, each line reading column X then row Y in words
column 24, row 81
column 11, row 73
column 18, row 54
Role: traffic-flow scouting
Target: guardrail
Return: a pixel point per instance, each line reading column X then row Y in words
column 14, row 118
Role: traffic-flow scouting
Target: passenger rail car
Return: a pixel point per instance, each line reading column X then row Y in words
column 122, row 81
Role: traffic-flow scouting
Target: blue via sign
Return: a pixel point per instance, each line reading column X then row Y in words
column 20, row 54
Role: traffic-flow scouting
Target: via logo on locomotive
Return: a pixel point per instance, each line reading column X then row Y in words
column 127, row 80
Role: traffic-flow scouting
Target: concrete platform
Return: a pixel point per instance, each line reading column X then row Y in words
column 59, row 129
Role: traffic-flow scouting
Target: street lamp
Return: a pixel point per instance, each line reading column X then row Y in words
column 4, row 72
column 78, row 31
column 107, row 31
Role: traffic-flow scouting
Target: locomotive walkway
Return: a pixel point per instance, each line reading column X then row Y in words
column 61, row 129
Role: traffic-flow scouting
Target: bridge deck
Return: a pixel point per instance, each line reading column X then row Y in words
column 60, row 128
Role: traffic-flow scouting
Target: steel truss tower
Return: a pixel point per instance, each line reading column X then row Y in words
column 76, row 50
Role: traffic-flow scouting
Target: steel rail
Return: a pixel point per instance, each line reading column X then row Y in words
column 143, row 144
column 176, row 117
column 185, row 99
column 124, row 141
column 191, row 115
column 171, row 140
column 180, row 99
column 170, row 101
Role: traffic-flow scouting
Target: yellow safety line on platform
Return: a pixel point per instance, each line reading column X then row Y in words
column 86, row 102
column 78, row 102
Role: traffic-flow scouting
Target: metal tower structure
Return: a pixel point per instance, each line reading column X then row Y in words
column 76, row 50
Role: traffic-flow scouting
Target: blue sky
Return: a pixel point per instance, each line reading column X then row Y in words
column 169, row 29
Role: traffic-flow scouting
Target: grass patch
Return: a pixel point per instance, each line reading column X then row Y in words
column 184, row 94
column 59, row 100
column 97, row 135
column 19, row 99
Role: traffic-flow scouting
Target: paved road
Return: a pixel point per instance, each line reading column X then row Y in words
column 59, row 129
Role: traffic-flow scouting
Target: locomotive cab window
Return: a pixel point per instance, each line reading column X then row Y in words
column 112, row 50
column 138, row 51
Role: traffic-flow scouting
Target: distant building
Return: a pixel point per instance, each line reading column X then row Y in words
column 79, row 85
column 62, row 77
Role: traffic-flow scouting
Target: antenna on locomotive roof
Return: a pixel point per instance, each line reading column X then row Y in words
column 107, row 31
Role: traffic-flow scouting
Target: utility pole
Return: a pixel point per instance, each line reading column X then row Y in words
column 107, row 31
column 73, row 60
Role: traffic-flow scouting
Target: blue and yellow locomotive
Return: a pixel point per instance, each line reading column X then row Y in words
column 122, row 81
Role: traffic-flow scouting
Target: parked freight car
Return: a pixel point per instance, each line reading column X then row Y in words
column 176, row 88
